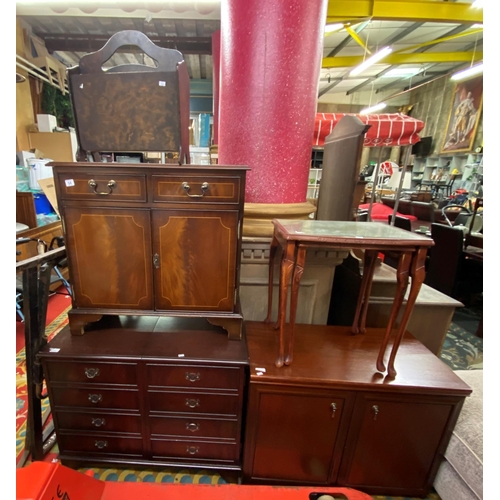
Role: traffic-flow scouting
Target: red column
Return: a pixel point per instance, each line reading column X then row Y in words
column 215, row 82
column 270, row 61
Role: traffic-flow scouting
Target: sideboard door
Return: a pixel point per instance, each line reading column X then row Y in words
column 110, row 257
column 194, row 258
column 393, row 443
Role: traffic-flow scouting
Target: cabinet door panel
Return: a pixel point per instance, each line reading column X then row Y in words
column 197, row 259
column 392, row 444
column 296, row 435
column 110, row 257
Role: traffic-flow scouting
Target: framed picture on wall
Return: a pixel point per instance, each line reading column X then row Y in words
column 465, row 112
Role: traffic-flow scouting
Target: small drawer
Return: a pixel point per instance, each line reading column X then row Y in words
column 100, row 444
column 91, row 372
column 103, row 187
column 194, row 427
column 193, row 376
column 193, row 402
column 96, row 397
column 101, row 421
column 195, row 450
column 199, row 188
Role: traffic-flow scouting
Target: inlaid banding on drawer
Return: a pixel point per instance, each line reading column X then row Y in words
column 194, row 450
column 193, row 376
column 92, row 372
column 193, row 427
column 100, row 421
column 104, row 187
column 193, row 402
column 100, row 444
column 96, row 397
column 196, row 188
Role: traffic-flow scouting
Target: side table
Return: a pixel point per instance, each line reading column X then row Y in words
column 296, row 236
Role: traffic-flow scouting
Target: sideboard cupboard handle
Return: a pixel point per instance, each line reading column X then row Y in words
column 111, row 185
column 95, row 398
column 375, row 411
column 192, row 377
column 192, row 403
column 91, row 372
column 101, row 444
column 192, row 450
column 333, row 406
column 156, row 261
column 187, row 187
column 98, row 422
column 192, row 427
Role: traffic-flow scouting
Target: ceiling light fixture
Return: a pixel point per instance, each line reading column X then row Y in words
column 330, row 28
column 371, row 60
column 377, row 107
column 466, row 73
column 477, row 4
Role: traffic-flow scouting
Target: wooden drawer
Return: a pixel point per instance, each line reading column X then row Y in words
column 100, row 444
column 94, row 397
column 75, row 185
column 189, row 188
column 101, row 421
column 194, row 450
column 92, row 372
column 194, row 427
column 193, row 402
column 193, row 376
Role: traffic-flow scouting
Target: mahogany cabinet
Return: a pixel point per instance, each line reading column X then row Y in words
column 150, row 239
column 147, row 391
column 331, row 419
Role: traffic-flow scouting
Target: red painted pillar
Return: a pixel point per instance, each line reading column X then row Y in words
column 270, row 61
column 215, row 82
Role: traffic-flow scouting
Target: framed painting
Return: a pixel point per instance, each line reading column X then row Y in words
column 465, row 113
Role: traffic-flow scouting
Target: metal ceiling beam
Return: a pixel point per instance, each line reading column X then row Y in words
column 329, row 87
column 388, row 43
column 415, row 58
column 452, row 32
column 90, row 43
column 440, row 40
column 358, row 29
column 357, row 39
column 404, row 10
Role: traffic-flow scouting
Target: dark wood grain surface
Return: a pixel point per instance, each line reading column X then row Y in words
column 330, row 354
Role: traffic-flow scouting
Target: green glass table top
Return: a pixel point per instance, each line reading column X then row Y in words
column 337, row 231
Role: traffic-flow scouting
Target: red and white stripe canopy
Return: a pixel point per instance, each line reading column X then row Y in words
column 389, row 129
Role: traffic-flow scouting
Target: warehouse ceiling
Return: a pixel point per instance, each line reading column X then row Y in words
column 428, row 38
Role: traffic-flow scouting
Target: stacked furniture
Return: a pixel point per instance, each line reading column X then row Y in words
column 148, row 372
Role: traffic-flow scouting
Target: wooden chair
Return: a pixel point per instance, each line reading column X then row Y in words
column 131, row 107
column 423, row 211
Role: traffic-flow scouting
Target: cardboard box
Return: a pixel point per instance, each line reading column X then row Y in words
column 46, row 123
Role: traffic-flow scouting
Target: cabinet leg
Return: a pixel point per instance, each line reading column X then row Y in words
column 78, row 321
column 272, row 254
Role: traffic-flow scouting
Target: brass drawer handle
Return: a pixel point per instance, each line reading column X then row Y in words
column 192, row 377
column 375, row 411
column 95, row 398
column 101, row 444
column 192, row 450
column 192, row 403
column 111, row 185
column 333, row 406
column 192, row 427
column 91, row 372
column 98, row 422
column 204, row 189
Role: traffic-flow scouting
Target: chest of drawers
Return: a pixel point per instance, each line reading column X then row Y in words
column 152, row 240
column 147, row 391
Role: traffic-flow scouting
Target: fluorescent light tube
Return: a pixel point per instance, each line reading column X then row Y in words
column 466, row 73
column 377, row 107
column 330, row 28
column 371, row 60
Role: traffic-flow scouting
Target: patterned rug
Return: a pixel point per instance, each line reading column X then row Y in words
column 461, row 351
